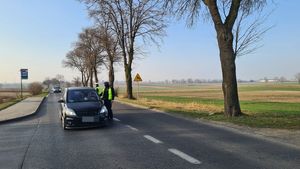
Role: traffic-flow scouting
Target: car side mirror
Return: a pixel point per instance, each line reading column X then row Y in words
column 61, row 101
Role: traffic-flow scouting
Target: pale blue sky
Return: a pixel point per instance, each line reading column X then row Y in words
column 36, row 34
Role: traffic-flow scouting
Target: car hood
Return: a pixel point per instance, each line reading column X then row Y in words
column 84, row 106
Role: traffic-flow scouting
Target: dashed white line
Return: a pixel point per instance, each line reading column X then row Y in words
column 184, row 156
column 115, row 119
column 132, row 128
column 154, row 140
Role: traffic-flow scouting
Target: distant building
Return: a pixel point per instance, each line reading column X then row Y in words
column 268, row 80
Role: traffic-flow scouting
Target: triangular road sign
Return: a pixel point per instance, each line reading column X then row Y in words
column 138, row 78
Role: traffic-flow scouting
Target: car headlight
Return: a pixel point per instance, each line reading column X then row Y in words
column 103, row 110
column 70, row 112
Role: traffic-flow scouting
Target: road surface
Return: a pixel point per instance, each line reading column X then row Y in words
column 137, row 139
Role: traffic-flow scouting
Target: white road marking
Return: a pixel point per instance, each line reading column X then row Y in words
column 184, row 156
column 115, row 119
column 154, row 140
column 132, row 128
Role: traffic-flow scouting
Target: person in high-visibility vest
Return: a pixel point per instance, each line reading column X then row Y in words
column 108, row 95
column 98, row 89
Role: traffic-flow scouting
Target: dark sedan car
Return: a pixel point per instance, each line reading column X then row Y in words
column 81, row 107
column 56, row 89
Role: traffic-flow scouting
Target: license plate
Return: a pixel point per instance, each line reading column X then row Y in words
column 88, row 119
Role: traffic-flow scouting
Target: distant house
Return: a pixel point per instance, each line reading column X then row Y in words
column 268, row 80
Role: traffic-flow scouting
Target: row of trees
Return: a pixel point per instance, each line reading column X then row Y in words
column 121, row 24
column 94, row 48
column 57, row 80
column 265, row 79
column 77, row 81
column 118, row 26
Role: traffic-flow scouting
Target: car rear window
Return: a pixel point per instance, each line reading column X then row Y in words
column 82, row 96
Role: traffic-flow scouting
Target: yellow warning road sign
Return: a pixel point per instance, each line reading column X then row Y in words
column 138, row 78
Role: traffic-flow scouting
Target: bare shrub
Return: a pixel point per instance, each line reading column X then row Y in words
column 35, row 88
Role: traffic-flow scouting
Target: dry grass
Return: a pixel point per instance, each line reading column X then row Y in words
column 264, row 105
column 271, row 96
column 7, row 96
column 215, row 92
column 194, row 107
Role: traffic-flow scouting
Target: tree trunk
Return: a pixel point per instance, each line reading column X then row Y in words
column 128, row 69
column 128, row 81
column 96, row 74
column 111, row 74
column 82, row 78
column 86, row 78
column 229, row 85
column 91, row 77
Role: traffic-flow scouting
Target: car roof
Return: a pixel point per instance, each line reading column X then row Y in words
column 80, row 88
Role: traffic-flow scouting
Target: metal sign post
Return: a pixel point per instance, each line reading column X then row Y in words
column 138, row 79
column 21, row 89
column 24, row 75
column 138, row 90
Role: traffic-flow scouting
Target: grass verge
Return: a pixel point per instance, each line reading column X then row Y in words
column 257, row 114
column 14, row 101
column 9, row 103
column 44, row 94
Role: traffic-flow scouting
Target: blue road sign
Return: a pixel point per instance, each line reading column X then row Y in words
column 24, row 73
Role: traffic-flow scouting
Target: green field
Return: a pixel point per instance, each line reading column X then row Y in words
column 264, row 105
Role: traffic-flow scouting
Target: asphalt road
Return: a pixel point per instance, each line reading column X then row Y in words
column 137, row 139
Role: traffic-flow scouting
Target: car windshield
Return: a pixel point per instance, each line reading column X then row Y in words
column 82, row 96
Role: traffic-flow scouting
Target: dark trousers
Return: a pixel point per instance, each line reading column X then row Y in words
column 108, row 104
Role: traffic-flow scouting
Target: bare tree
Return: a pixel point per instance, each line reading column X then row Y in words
column 76, row 59
column 76, row 81
column 35, row 88
column 298, row 77
column 282, row 79
column 223, row 14
column 90, row 45
column 60, row 78
column 130, row 19
column 112, row 53
column 248, row 34
column 47, row 82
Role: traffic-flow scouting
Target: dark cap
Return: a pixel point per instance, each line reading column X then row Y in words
column 106, row 84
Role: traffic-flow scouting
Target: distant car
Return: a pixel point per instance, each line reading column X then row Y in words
column 56, row 89
column 81, row 107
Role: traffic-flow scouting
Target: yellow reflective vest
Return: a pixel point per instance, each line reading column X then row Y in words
column 110, row 94
column 99, row 90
